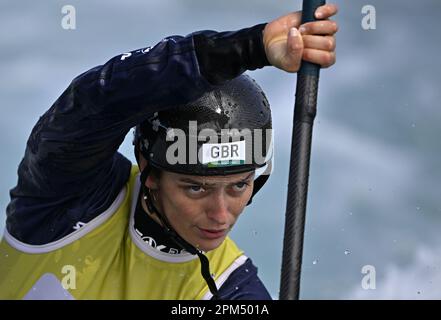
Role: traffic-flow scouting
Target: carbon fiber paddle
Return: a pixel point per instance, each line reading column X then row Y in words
column 304, row 114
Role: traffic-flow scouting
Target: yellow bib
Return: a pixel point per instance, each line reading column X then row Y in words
column 107, row 259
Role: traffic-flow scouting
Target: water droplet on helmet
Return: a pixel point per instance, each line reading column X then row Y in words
column 315, row 261
column 347, row 252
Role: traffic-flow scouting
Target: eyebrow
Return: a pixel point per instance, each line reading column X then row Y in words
column 190, row 180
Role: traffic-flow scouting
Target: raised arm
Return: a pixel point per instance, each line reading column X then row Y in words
column 71, row 170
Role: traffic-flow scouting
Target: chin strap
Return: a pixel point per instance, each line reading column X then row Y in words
column 205, row 264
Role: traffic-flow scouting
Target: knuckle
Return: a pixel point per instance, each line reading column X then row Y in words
column 330, row 45
column 295, row 47
column 330, row 59
column 307, row 55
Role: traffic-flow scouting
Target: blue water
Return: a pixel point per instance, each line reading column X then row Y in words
column 374, row 196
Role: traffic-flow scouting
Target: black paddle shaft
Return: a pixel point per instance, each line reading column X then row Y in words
column 304, row 114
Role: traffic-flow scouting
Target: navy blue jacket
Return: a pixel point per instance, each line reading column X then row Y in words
column 71, row 170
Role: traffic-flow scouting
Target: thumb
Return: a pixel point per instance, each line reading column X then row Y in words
column 294, row 49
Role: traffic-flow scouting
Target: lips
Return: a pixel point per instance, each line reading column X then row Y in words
column 212, row 233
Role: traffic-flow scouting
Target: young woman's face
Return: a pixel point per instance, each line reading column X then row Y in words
column 202, row 210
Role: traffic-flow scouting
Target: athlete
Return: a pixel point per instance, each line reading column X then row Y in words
column 84, row 223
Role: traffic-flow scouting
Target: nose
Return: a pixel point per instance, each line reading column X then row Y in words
column 218, row 208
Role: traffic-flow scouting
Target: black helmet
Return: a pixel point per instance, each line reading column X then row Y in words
column 227, row 130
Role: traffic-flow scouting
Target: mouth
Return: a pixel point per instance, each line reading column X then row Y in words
column 213, row 233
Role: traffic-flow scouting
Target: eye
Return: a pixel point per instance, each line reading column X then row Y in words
column 240, row 186
column 195, row 190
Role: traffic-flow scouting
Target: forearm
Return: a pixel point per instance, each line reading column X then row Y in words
column 225, row 55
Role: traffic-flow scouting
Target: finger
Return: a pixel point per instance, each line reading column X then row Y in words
column 295, row 42
column 326, row 11
column 325, row 43
column 323, row 58
column 294, row 50
column 323, row 27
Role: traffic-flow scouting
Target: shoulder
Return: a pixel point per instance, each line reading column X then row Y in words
column 42, row 219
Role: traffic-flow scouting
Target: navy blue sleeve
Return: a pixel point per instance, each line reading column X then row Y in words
column 244, row 48
column 244, row 284
column 71, row 170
